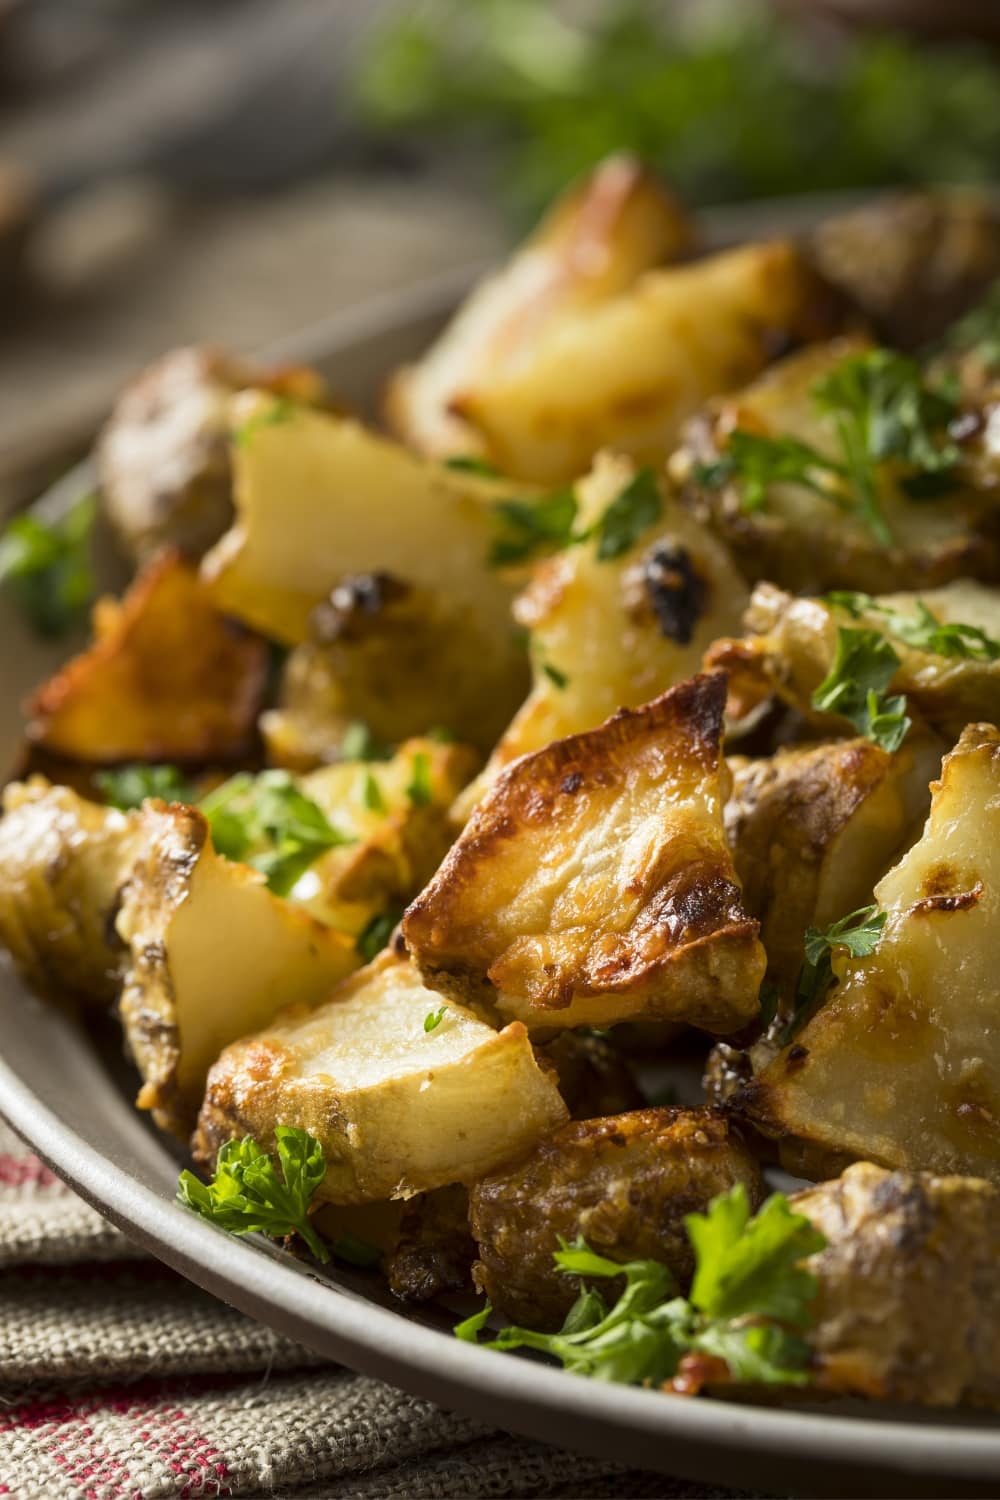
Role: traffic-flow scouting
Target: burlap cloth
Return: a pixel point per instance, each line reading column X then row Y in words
column 119, row 1378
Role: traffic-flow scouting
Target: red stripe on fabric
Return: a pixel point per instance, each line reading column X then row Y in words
column 19, row 1171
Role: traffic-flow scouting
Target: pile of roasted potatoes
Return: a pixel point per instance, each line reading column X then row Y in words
column 632, row 694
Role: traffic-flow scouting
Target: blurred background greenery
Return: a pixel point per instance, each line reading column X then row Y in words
column 731, row 99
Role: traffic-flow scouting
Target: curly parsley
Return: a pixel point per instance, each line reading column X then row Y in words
column 857, row 934
column 248, row 1194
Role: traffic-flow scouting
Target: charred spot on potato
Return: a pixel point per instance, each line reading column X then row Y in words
column 364, row 594
column 677, row 593
column 960, row 901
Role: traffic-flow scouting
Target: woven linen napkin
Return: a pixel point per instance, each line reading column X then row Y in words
column 120, row 1379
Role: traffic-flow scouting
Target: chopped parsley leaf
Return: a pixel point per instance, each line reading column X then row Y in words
column 433, row 1018
column 45, row 567
column 854, row 688
column 127, row 787
column 248, row 1194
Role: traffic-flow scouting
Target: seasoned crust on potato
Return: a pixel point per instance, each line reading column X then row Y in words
column 593, row 883
column 629, row 373
column 214, row 954
column 592, row 244
column 381, row 1091
column 624, row 1183
column 901, row 1064
column 813, row 827
column 434, row 1248
column 594, row 1078
column 167, row 678
column 63, row 864
column 610, row 633
column 908, row 1303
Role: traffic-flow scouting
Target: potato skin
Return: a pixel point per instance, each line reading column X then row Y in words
column 164, row 454
column 624, row 1183
column 594, row 1078
column 908, row 1307
column 435, row 1250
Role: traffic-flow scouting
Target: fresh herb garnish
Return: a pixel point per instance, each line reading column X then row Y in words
column 882, row 410
column 46, row 567
column 440, row 735
column 270, row 823
column 371, row 794
column 247, row 1195
column 433, row 1018
column 374, row 936
column 280, row 409
column 359, row 743
column 854, row 688
column 749, row 1303
column 557, row 677
column 922, row 630
column 420, row 789
column 466, row 463
column 758, row 462
column 630, row 513
column 859, row 933
column 127, row 787
column 529, row 527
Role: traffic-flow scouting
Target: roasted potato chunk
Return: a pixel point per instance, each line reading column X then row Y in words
column 321, row 499
column 901, row 1064
column 593, row 883
column 807, row 542
column 624, row 1183
column 163, row 456
column 812, row 829
column 166, row 679
column 791, row 644
column 395, row 657
column 610, row 633
column 908, row 1307
column 592, row 244
column 381, row 1091
column 63, row 863
column 629, row 373
column 434, row 1250
column 213, row 956
column 912, row 262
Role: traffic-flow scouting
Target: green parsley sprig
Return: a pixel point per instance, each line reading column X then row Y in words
column 46, row 567
column 854, row 688
column 857, row 934
column 268, row 822
column 376, row 933
column 528, row 528
column 248, row 1194
column 758, row 462
column 749, row 1303
column 922, row 630
column 127, row 787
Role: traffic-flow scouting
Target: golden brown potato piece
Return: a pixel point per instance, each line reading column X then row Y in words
column 593, row 883
column 806, row 542
column 624, row 1183
column 166, row 679
column 791, row 643
column 610, row 633
column 628, row 373
column 401, row 1102
column 594, row 1078
column 600, row 235
column 395, row 657
column 435, row 1250
column 214, row 955
column 63, row 863
column 321, row 499
column 901, row 1065
column 164, row 455
column 813, row 827
column 908, row 1307
column 912, row 261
